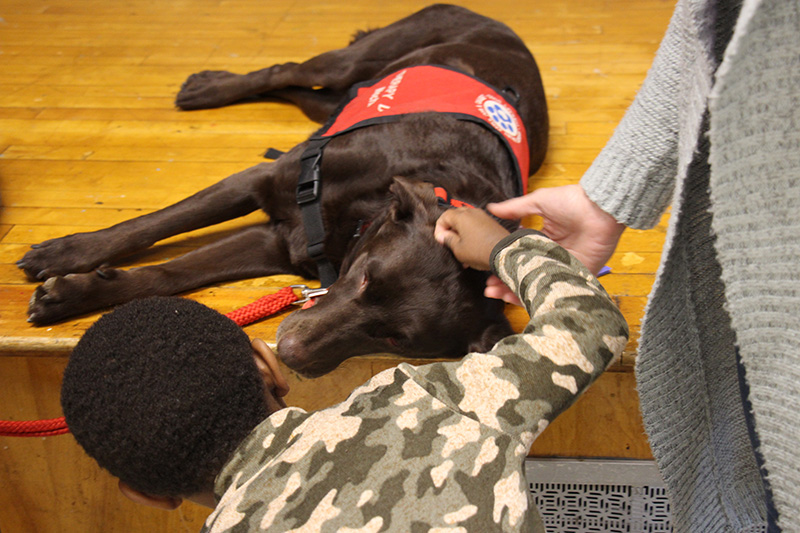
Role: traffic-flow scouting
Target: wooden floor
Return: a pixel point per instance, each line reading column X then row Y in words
column 89, row 137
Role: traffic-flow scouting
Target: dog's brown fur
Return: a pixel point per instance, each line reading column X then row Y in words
column 398, row 290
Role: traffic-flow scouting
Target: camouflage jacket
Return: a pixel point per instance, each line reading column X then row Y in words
column 438, row 447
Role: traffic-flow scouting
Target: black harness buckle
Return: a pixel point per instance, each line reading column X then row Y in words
column 308, row 192
column 309, row 183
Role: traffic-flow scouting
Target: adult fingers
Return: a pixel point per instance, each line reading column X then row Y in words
column 495, row 288
column 518, row 207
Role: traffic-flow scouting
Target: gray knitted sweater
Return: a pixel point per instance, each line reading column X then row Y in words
column 715, row 133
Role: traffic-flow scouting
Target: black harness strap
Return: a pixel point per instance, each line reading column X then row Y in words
column 309, row 198
column 273, row 153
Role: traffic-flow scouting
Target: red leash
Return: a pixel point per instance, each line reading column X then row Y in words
column 33, row 428
column 263, row 307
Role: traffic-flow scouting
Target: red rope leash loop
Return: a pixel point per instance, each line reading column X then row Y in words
column 33, row 428
column 263, row 307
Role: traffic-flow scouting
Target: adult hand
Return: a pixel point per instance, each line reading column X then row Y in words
column 571, row 219
column 495, row 288
column 471, row 234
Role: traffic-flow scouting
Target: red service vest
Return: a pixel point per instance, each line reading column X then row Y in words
column 443, row 90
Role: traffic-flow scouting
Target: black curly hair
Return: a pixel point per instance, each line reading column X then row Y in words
column 160, row 392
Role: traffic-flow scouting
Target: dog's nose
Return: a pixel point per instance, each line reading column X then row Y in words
column 292, row 351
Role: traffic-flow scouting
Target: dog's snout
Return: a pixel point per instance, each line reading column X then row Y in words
column 293, row 351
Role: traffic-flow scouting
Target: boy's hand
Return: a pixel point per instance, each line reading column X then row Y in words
column 471, row 234
column 274, row 380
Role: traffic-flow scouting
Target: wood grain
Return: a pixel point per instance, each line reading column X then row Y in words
column 89, row 137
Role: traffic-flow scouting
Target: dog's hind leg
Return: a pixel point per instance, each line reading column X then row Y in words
column 230, row 198
column 328, row 76
column 256, row 251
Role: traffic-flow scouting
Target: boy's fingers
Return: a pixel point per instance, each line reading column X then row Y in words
column 445, row 237
column 270, row 359
column 498, row 290
column 443, row 228
column 446, row 231
column 440, row 233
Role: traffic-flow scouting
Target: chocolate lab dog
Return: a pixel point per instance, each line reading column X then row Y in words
column 457, row 109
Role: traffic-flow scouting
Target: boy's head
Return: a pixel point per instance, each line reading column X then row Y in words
column 161, row 391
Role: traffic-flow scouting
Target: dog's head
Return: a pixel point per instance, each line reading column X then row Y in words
column 399, row 292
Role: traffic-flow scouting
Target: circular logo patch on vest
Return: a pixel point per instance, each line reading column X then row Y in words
column 500, row 116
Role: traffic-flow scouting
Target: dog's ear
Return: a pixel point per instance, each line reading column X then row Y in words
column 410, row 197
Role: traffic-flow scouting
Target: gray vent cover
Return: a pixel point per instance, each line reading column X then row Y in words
column 608, row 495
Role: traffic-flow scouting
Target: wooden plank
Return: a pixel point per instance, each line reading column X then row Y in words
column 70, row 198
column 58, row 133
column 242, row 156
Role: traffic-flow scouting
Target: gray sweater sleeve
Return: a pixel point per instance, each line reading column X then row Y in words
column 633, row 176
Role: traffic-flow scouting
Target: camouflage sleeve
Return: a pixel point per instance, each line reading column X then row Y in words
column 526, row 380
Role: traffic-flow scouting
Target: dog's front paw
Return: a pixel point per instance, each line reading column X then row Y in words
column 58, row 257
column 61, row 297
column 210, row 88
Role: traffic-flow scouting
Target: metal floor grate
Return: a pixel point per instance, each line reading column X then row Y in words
column 608, row 496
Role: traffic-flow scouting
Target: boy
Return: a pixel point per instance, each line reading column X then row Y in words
column 164, row 393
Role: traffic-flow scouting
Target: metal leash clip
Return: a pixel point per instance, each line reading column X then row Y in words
column 307, row 293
